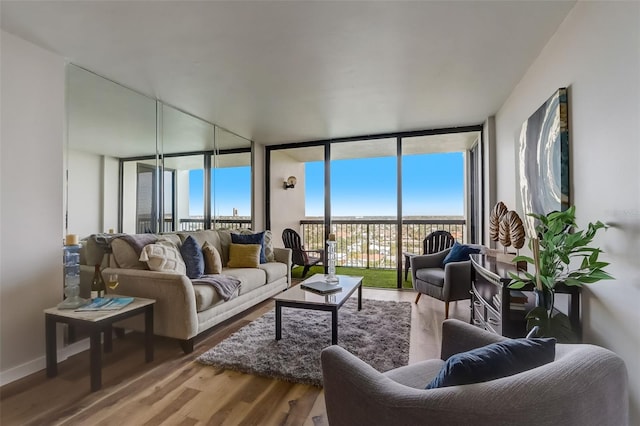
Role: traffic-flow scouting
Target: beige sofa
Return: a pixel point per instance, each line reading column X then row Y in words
column 184, row 309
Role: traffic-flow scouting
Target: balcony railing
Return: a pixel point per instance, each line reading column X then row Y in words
column 372, row 243
column 144, row 225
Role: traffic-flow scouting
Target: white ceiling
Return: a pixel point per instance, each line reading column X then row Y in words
column 290, row 71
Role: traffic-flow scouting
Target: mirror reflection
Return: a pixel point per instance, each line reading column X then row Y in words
column 136, row 165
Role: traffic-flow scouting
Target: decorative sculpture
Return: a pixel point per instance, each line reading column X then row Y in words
column 498, row 211
column 506, row 227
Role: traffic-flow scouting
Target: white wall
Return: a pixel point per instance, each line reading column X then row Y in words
column 31, row 220
column 287, row 206
column 259, row 185
column 596, row 53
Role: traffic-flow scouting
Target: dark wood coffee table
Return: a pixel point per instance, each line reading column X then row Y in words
column 97, row 323
column 296, row 297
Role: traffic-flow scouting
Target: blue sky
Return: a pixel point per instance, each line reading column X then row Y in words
column 433, row 185
column 228, row 196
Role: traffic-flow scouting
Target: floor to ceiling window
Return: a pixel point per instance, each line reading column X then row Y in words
column 383, row 195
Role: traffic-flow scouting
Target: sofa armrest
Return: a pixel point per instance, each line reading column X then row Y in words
column 284, row 255
column 457, row 280
column 459, row 336
column 429, row 260
column 174, row 313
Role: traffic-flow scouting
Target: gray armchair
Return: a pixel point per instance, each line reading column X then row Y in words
column 585, row 385
column 453, row 282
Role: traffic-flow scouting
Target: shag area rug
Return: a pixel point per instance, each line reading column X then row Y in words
column 378, row 334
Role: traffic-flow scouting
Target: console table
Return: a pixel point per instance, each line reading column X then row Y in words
column 97, row 322
column 491, row 277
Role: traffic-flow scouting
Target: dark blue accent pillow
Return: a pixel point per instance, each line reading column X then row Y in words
column 193, row 258
column 459, row 252
column 251, row 239
column 494, row 361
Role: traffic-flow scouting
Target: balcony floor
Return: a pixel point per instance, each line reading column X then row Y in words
column 377, row 278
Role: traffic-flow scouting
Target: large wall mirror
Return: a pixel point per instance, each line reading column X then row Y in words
column 136, row 165
column 105, row 122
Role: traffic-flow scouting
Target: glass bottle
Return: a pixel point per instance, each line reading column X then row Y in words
column 98, row 287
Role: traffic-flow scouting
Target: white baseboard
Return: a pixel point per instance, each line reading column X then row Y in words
column 33, row 366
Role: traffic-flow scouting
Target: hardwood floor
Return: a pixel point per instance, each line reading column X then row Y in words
column 177, row 390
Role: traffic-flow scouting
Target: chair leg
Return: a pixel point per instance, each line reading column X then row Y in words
column 305, row 270
column 446, row 310
column 418, row 297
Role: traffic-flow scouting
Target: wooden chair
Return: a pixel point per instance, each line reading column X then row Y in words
column 434, row 242
column 299, row 255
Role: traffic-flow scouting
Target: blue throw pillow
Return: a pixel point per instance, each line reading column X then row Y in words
column 251, row 239
column 459, row 253
column 193, row 258
column 494, row 361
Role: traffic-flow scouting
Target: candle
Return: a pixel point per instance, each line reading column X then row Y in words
column 332, row 237
column 71, row 240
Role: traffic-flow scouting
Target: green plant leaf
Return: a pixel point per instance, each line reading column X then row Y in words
column 516, row 285
column 524, row 258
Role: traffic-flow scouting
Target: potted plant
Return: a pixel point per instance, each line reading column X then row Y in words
column 561, row 254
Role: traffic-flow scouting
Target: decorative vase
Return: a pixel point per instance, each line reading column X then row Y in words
column 71, row 262
column 544, row 298
column 331, row 262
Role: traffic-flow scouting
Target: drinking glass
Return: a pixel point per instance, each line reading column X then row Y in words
column 113, row 281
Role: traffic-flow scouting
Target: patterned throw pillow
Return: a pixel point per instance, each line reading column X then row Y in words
column 192, row 256
column 163, row 257
column 268, row 246
column 244, row 255
column 212, row 259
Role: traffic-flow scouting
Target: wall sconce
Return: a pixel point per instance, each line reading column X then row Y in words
column 290, row 182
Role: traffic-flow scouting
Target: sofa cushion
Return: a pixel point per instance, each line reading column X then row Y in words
column 431, row 275
column 274, row 270
column 163, row 257
column 257, row 238
column 416, row 375
column 125, row 256
column 192, row 256
column 250, row 278
column 206, row 297
column 225, row 241
column 244, row 255
column 171, row 238
column 459, row 253
column 212, row 260
column 494, row 361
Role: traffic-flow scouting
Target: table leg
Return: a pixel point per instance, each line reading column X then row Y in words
column 148, row 333
column 50, row 345
column 360, row 297
column 278, row 321
column 334, row 326
column 95, row 359
column 108, row 338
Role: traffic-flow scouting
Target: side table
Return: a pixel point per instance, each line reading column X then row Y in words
column 97, row 322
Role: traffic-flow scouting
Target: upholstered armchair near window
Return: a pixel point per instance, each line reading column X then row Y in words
column 582, row 385
column 448, row 282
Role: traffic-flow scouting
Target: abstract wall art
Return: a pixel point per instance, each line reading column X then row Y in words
column 542, row 160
